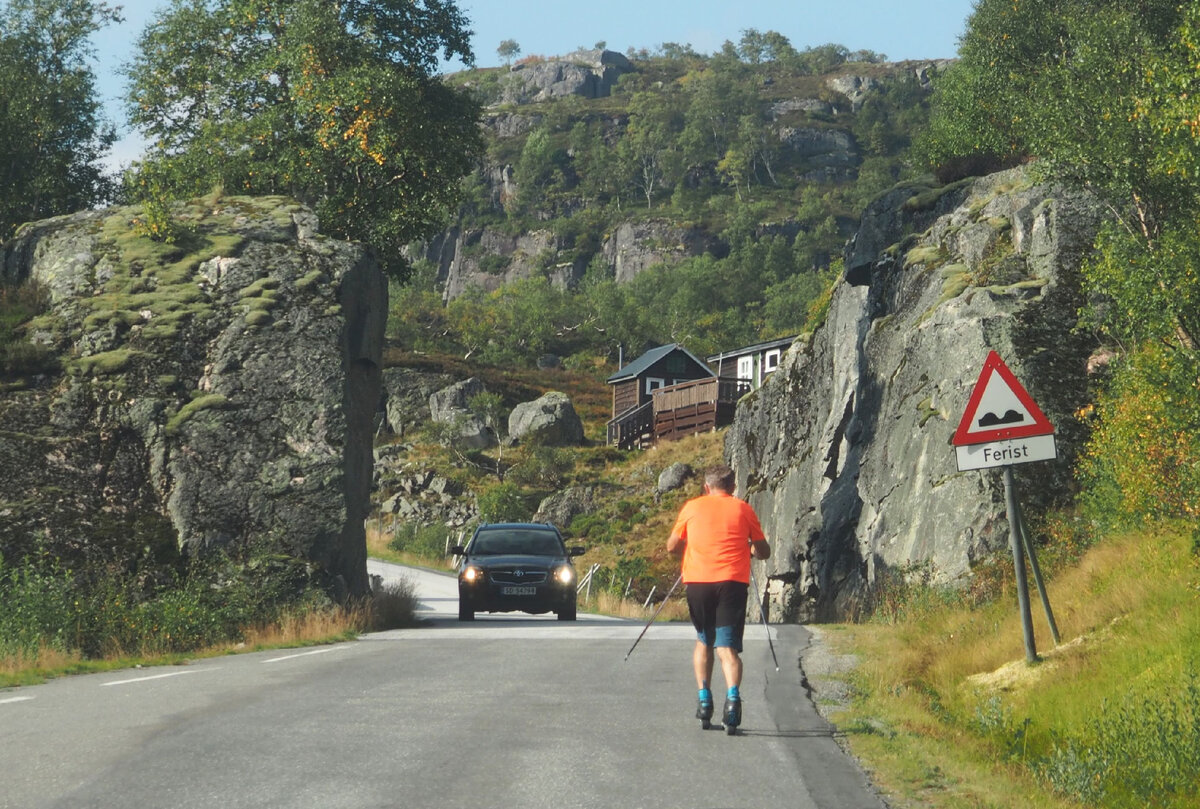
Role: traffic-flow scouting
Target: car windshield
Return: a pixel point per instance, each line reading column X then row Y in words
column 532, row 543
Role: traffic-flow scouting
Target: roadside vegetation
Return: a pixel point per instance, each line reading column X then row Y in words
column 56, row 620
column 946, row 712
column 943, row 709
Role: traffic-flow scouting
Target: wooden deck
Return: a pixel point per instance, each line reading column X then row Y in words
column 676, row 411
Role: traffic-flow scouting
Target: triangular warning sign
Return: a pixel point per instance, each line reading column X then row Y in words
column 999, row 408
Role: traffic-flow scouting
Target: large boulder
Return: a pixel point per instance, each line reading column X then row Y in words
column 845, row 451
column 561, row 508
column 451, row 406
column 550, row 421
column 406, row 396
column 214, row 392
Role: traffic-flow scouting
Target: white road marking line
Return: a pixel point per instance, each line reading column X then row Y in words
column 302, row 654
column 156, row 677
column 13, row 699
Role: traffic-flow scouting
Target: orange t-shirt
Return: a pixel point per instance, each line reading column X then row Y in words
column 718, row 528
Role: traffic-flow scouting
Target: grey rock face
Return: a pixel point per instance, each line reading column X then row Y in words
column 488, row 259
column 591, row 74
column 808, row 105
column 636, row 246
column 449, row 406
column 226, row 394
column 406, row 396
column 673, row 477
column 845, row 451
column 550, row 420
column 561, row 508
column 446, row 403
column 854, row 88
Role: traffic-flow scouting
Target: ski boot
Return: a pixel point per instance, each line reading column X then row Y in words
column 733, row 715
column 704, row 712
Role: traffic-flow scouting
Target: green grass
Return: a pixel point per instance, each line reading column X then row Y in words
column 1107, row 719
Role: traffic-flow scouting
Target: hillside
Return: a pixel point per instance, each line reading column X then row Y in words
column 667, row 197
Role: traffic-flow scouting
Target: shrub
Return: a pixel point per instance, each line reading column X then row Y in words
column 425, row 541
column 1142, row 752
column 543, row 466
column 1141, row 460
column 105, row 608
column 503, row 503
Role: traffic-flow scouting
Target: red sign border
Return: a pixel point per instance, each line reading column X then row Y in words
column 963, row 435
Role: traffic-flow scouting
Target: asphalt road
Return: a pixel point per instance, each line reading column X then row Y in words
column 506, row 712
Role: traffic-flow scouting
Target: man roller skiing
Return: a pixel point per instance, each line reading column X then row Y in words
column 716, row 534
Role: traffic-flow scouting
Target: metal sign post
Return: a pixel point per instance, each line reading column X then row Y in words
column 1014, row 541
column 1003, row 426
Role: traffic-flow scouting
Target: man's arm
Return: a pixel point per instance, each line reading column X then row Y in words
column 759, row 549
column 676, row 544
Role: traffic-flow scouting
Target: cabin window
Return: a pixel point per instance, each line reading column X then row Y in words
column 653, row 383
column 771, row 360
column 676, row 364
column 745, row 367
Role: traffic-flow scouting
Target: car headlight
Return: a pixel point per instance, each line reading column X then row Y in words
column 564, row 575
column 472, row 574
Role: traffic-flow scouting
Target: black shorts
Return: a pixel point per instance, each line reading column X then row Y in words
column 718, row 611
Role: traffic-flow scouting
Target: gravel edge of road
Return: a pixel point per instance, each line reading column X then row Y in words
column 824, row 672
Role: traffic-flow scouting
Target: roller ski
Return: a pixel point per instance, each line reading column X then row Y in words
column 733, row 715
column 704, row 712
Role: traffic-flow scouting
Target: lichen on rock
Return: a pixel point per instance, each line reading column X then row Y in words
column 226, row 382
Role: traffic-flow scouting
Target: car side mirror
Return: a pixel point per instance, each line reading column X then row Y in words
column 458, row 550
column 577, row 551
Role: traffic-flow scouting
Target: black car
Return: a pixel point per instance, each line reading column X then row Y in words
column 516, row 567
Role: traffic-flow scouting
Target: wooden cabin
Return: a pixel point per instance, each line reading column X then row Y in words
column 633, row 390
column 752, row 364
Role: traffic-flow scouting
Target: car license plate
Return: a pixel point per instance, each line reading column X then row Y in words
column 518, row 591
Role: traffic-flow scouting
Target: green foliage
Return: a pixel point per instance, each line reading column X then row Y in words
column 1142, row 458
column 1141, row 752
column 52, row 134
column 508, row 50
column 503, row 503
column 542, row 466
column 423, row 541
column 336, row 105
column 1145, row 291
column 109, row 608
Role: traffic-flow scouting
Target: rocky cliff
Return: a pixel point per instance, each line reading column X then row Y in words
column 846, row 451
column 218, row 391
column 808, row 128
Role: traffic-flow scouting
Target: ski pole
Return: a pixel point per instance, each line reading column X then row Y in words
column 763, row 614
column 655, row 615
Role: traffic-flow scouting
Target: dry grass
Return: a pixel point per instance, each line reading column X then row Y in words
column 607, row 603
column 949, row 714
column 16, row 668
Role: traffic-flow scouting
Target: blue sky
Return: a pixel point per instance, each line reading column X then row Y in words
column 900, row 29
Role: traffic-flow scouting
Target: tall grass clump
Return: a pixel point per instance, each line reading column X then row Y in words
column 947, row 706
column 1143, row 750
column 105, row 610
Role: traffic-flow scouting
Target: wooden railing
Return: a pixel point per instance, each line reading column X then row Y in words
column 699, row 392
column 633, row 428
column 676, row 411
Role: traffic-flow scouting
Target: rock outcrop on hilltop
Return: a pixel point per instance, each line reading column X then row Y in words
column 846, row 450
column 215, row 392
column 588, row 73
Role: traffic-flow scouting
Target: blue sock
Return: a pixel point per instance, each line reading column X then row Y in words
column 732, row 693
column 705, row 695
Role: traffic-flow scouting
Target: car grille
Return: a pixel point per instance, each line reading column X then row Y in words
column 517, row 575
